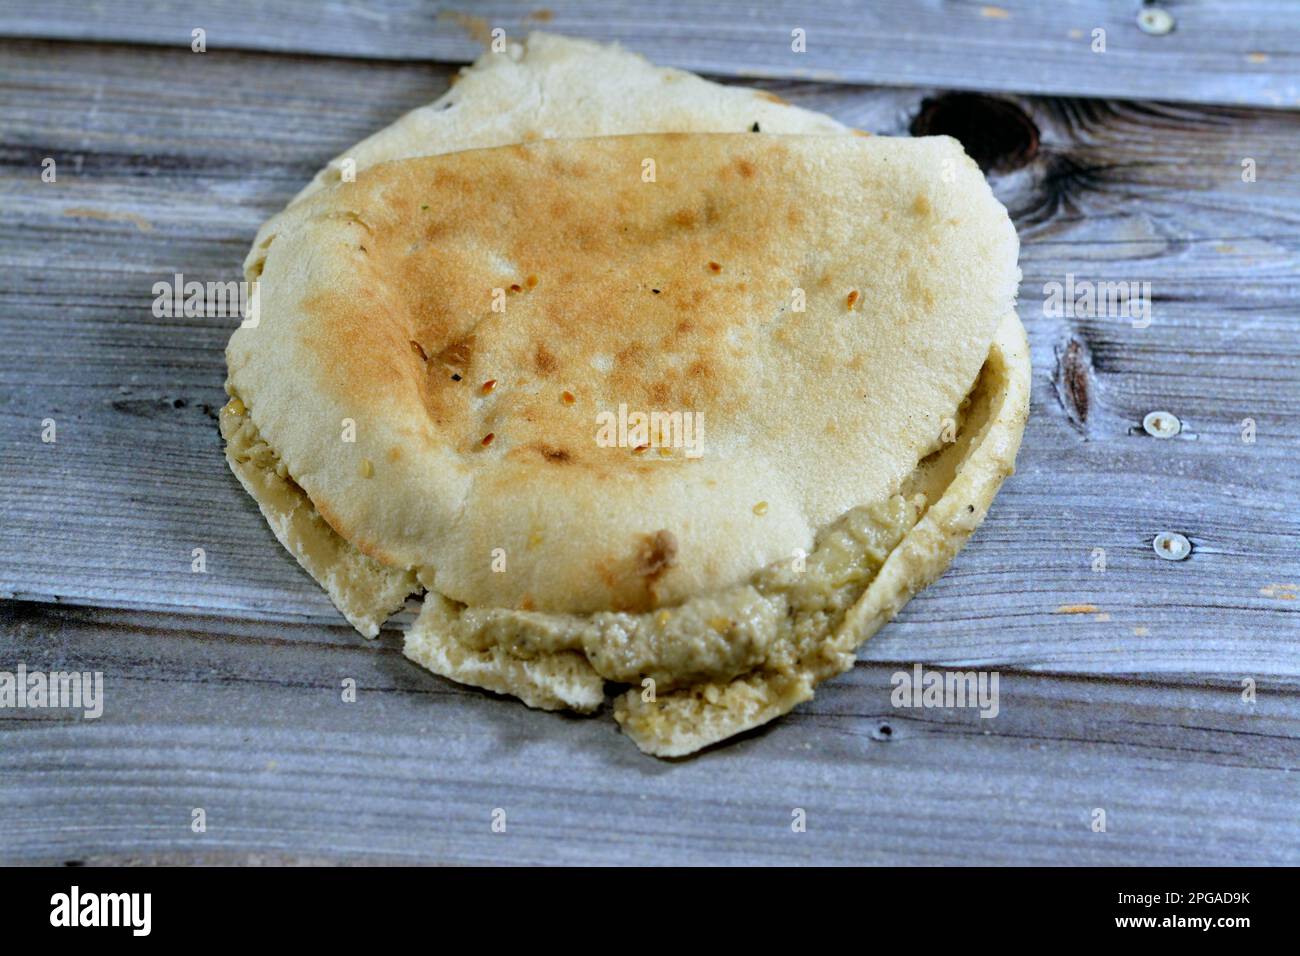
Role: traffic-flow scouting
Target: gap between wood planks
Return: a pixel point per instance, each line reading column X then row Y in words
column 139, row 630
column 262, row 742
column 1244, row 52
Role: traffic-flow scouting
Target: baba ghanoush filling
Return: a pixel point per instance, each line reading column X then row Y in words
column 697, row 672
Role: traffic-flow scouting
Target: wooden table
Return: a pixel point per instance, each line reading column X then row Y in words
column 223, row 688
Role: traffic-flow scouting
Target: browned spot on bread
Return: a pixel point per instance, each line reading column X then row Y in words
column 556, row 456
column 458, row 354
column 770, row 97
column 545, row 360
column 658, row 553
column 746, row 169
column 700, row 368
column 634, row 354
column 921, row 205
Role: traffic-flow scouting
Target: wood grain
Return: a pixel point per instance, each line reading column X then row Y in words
column 223, row 687
column 109, row 515
column 253, row 729
column 1241, row 52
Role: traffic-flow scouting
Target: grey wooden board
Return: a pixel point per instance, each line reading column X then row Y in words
column 255, row 732
column 1238, row 51
column 199, row 150
column 109, row 514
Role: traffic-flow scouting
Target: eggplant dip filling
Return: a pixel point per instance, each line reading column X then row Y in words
column 839, row 308
column 713, row 665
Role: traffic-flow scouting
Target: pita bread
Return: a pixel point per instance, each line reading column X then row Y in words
column 552, row 562
column 555, row 87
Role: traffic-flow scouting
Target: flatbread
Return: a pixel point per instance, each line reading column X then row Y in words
column 733, row 288
column 556, row 87
column 684, row 299
column 962, row 481
column 551, row 87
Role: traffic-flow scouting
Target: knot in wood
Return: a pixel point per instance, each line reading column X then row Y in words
column 996, row 133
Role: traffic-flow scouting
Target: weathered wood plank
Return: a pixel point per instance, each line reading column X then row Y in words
column 252, row 728
column 1239, row 52
column 234, row 705
column 110, row 513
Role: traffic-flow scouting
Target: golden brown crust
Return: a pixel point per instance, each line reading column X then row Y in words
column 691, row 294
column 558, row 87
column 969, row 473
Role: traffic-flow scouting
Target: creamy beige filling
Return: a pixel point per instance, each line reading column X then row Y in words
column 701, row 671
column 366, row 591
column 712, row 637
column 718, row 636
column 886, row 553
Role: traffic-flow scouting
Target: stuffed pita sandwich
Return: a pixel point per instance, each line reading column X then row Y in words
column 641, row 401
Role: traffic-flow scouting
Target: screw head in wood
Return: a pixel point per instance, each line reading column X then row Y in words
column 1161, row 424
column 1171, row 545
column 1156, row 21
